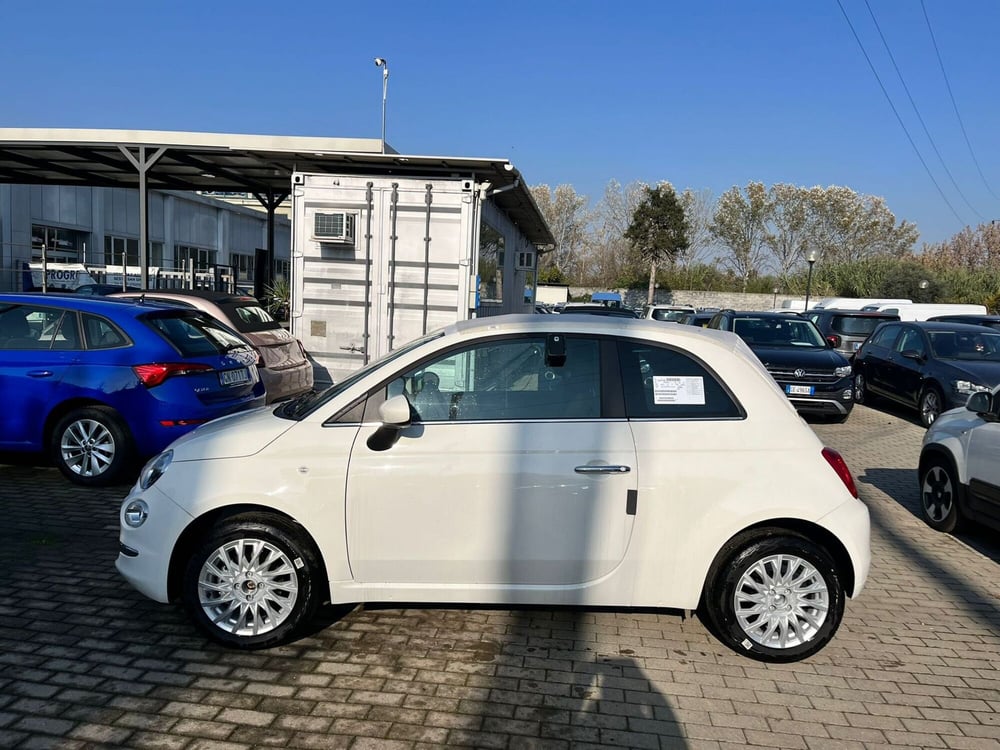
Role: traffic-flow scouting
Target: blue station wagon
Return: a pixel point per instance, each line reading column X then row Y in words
column 100, row 384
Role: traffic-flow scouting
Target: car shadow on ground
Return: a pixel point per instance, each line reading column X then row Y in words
column 901, row 486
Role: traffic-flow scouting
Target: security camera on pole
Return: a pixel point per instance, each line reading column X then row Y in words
column 381, row 62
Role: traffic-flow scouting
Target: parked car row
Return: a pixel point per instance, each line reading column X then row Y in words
column 104, row 382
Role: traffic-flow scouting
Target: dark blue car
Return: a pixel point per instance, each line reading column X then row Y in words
column 100, row 384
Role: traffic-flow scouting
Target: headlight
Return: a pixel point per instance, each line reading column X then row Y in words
column 135, row 513
column 154, row 469
column 843, row 372
column 967, row 387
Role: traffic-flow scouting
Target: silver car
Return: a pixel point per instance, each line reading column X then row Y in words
column 284, row 367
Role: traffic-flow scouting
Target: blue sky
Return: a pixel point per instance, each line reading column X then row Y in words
column 706, row 94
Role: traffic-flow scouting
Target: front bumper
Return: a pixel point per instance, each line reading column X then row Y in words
column 145, row 553
column 820, row 398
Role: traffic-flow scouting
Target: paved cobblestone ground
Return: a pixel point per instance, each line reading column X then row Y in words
column 85, row 662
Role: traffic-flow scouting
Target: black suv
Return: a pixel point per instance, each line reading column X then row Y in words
column 816, row 378
column 848, row 329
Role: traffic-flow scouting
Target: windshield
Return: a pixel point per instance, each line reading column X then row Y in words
column 779, row 331
column 305, row 405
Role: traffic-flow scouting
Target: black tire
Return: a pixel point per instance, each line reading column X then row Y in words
column 940, row 495
column 861, row 394
column 92, row 446
column 258, row 605
column 930, row 405
column 753, row 573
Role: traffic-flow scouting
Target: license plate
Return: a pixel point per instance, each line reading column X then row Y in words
column 234, row 377
column 799, row 390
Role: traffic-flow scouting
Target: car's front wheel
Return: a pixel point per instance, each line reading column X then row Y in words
column 860, row 389
column 939, row 495
column 775, row 597
column 92, row 446
column 931, row 405
column 252, row 583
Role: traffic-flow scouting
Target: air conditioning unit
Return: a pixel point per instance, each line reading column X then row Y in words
column 333, row 227
column 524, row 261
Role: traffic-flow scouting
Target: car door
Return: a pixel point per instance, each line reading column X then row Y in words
column 32, row 366
column 906, row 366
column 509, row 473
column 872, row 360
column 983, row 466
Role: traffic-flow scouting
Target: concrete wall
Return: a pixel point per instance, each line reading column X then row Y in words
column 721, row 300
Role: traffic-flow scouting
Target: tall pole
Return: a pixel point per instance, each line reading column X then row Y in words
column 381, row 62
column 809, row 278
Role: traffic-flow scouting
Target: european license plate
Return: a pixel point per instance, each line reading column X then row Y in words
column 234, row 377
column 799, row 390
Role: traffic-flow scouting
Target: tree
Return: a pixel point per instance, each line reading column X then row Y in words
column 788, row 228
column 740, row 225
column 846, row 226
column 611, row 256
column 566, row 214
column 971, row 249
column 658, row 230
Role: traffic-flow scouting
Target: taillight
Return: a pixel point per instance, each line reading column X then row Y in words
column 153, row 374
column 840, row 466
column 834, row 340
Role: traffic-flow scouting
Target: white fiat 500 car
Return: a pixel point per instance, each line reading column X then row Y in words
column 959, row 471
column 545, row 460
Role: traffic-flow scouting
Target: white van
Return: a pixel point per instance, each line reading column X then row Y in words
column 857, row 303
column 924, row 311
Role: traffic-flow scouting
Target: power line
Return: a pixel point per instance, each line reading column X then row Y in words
column 896, row 113
column 916, row 111
column 947, row 83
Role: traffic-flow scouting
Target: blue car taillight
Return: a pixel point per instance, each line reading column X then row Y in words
column 153, row 374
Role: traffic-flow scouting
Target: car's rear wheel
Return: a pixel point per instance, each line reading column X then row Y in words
column 939, row 491
column 252, row 582
column 92, row 446
column 775, row 598
column 931, row 405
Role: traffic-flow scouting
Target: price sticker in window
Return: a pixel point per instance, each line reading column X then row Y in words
column 678, row 390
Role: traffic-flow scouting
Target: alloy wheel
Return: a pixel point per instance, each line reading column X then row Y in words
column 781, row 601
column 87, row 447
column 248, row 587
column 937, row 494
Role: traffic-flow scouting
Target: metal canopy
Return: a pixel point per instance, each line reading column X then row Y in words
column 258, row 164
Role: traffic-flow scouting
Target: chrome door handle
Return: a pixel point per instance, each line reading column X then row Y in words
column 607, row 469
column 40, row 373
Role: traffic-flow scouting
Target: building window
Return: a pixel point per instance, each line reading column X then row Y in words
column 491, row 260
column 202, row 257
column 243, row 266
column 61, row 245
column 282, row 270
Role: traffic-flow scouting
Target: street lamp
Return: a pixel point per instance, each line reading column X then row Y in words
column 810, row 259
column 774, row 302
column 381, row 62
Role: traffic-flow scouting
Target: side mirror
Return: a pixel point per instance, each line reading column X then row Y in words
column 980, row 402
column 394, row 414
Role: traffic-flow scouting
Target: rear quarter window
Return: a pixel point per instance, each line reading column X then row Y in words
column 664, row 383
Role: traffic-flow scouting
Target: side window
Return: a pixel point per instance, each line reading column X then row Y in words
column 911, row 340
column 35, row 327
column 101, row 333
column 662, row 383
column 504, row 380
column 886, row 336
